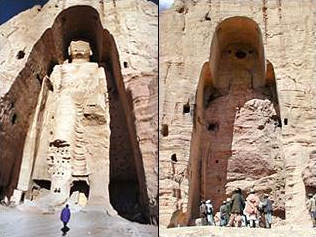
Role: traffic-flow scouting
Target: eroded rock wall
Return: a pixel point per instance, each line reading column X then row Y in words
column 133, row 26
column 186, row 31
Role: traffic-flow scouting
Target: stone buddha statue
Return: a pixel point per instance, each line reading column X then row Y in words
column 77, row 113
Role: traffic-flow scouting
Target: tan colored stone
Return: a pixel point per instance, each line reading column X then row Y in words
column 186, row 32
column 123, row 40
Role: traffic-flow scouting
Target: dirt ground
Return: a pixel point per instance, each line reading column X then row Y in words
column 215, row 231
column 16, row 223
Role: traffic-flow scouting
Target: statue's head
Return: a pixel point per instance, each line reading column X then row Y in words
column 79, row 51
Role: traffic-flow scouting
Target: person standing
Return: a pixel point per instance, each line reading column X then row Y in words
column 209, row 212
column 203, row 212
column 251, row 209
column 65, row 217
column 311, row 206
column 237, row 207
column 223, row 214
column 267, row 210
column 228, row 207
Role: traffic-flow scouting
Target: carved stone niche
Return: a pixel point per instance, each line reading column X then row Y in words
column 80, row 105
column 237, row 105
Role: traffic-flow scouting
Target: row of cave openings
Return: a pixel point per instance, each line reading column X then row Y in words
column 186, row 109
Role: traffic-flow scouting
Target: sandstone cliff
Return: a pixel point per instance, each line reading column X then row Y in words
column 186, row 32
column 124, row 38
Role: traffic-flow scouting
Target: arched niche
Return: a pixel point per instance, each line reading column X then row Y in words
column 77, row 22
column 236, row 75
column 237, row 38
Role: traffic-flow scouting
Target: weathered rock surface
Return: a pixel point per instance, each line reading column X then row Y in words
column 123, row 37
column 309, row 173
column 186, row 32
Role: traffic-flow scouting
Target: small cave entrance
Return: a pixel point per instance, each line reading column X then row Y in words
column 80, row 192
column 310, row 190
column 40, row 188
column 39, row 183
column 124, row 197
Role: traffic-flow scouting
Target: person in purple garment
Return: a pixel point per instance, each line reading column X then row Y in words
column 64, row 217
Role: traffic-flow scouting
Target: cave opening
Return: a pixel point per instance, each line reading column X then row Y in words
column 174, row 158
column 165, row 130
column 240, row 54
column 186, row 108
column 285, row 121
column 80, row 192
column 42, row 183
column 80, row 186
column 20, row 54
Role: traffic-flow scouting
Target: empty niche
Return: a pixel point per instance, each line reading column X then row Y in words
column 213, row 126
column 165, row 130
column 240, row 54
column 186, row 108
column 13, row 119
column 40, row 183
column 174, row 158
column 20, row 54
column 216, row 80
column 80, row 186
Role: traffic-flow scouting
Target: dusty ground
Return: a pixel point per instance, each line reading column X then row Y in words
column 214, row 231
column 16, row 223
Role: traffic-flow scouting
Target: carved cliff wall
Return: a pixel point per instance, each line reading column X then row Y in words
column 282, row 163
column 33, row 42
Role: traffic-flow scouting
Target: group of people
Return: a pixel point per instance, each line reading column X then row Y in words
column 238, row 211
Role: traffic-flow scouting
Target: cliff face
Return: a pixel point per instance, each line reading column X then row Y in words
column 124, row 39
column 256, row 142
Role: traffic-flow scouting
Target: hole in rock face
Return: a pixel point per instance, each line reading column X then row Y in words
column 285, row 121
column 39, row 78
column 174, row 157
column 186, row 108
column 43, row 183
column 212, row 127
column 165, row 130
column 13, row 119
column 216, row 161
column 125, row 199
column 125, row 64
column 20, row 54
column 81, row 187
column 240, row 54
column 261, row 127
column 207, row 17
column 181, row 10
